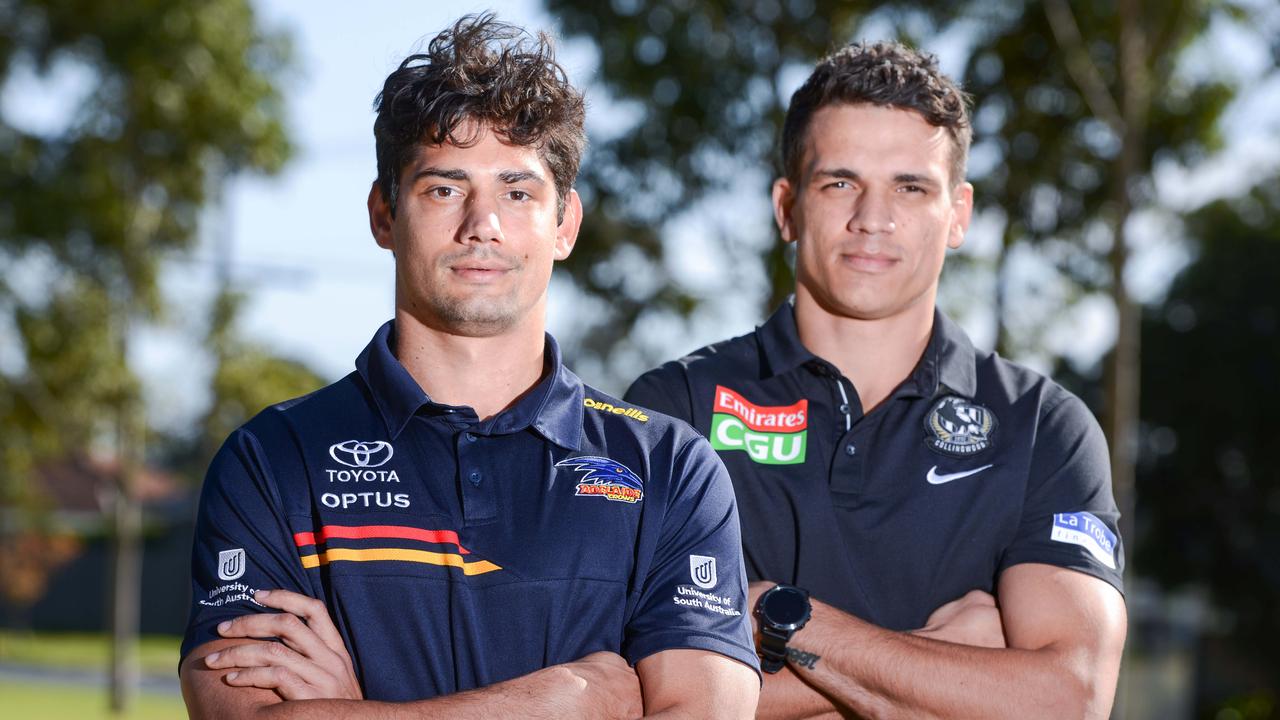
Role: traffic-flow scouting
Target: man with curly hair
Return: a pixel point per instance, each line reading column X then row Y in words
column 462, row 528
column 929, row 527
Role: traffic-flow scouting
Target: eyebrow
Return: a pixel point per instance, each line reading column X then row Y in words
column 507, row 176
column 447, row 174
column 900, row 178
column 511, row 177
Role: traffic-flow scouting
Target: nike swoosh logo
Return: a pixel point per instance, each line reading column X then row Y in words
column 935, row 479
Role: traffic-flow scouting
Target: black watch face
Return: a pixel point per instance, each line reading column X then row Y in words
column 785, row 606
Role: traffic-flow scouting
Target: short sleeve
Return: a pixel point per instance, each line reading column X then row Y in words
column 242, row 541
column 665, row 389
column 1070, row 518
column 695, row 593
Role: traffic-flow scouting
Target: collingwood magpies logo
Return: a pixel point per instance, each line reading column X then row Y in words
column 958, row 427
column 606, row 478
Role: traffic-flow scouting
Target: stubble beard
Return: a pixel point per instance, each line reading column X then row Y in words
column 477, row 314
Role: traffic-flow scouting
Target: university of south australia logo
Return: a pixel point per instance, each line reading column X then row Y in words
column 230, row 564
column 702, row 570
column 770, row 435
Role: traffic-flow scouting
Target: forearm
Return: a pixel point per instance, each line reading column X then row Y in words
column 554, row 692
column 531, row 696
column 883, row 674
column 785, row 696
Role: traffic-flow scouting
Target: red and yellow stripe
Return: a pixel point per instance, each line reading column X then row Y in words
column 402, row 532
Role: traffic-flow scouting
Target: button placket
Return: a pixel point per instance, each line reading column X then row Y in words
column 479, row 503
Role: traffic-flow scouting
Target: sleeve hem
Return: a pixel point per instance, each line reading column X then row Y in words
column 653, row 644
column 1080, row 565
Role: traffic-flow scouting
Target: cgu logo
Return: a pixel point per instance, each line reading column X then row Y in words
column 769, row 435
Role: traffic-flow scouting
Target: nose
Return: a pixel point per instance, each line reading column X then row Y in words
column 481, row 223
column 872, row 214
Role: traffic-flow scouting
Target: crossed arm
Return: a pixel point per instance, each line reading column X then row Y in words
column 238, row 676
column 1063, row 633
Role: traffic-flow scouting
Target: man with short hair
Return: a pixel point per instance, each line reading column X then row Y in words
column 929, row 527
column 462, row 528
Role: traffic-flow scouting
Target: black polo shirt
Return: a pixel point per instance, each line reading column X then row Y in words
column 454, row 553
column 972, row 465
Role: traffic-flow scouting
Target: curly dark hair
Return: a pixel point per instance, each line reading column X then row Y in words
column 491, row 72
column 887, row 75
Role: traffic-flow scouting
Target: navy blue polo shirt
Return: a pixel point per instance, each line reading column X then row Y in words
column 454, row 553
column 972, row 465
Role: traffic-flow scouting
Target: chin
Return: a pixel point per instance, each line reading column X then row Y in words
column 477, row 317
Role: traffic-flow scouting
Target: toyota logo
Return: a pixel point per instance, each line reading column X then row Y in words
column 354, row 453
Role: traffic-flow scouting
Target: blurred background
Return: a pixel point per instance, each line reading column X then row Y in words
column 183, row 241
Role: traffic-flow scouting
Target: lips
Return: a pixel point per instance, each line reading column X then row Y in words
column 868, row 263
column 479, row 268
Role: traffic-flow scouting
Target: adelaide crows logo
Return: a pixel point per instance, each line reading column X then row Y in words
column 606, row 478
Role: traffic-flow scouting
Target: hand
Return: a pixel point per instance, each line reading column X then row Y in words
column 310, row 663
column 973, row 619
column 607, row 687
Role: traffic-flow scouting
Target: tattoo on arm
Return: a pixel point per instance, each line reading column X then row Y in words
column 802, row 658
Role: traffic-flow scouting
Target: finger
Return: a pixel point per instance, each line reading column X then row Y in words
column 314, row 611
column 282, row 680
column 979, row 597
column 268, row 654
column 285, row 626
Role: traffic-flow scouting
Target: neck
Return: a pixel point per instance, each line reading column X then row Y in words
column 875, row 355
column 488, row 374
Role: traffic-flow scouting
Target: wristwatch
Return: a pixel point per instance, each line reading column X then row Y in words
column 782, row 610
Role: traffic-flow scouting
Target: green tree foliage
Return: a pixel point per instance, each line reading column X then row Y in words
column 246, row 379
column 1049, row 128
column 701, row 87
column 172, row 97
column 177, row 94
column 1209, row 490
column 705, row 86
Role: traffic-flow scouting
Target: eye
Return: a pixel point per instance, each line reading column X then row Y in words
column 913, row 189
column 519, row 195
column 838, row 185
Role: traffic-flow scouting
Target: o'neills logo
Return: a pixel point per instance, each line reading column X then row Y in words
column 631, row 412
column 772, row 435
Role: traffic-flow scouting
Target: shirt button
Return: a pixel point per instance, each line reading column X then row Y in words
column 850, row 449
column 845, row 409
column 474, row 477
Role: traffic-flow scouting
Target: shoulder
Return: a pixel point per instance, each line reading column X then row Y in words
column 1010, row 383
column 1029, row 401
column 614, row 418
column 279, row 434
column 670, row 386
column 734, row 356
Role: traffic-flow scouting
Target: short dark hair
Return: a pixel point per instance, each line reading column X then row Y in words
column 886, row 74
column 490, row 72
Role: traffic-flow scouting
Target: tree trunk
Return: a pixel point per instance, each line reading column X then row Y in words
column 1123, row 374
column 126, row 551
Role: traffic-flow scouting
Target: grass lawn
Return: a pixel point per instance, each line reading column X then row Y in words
column 157, row 654
column 58, row 702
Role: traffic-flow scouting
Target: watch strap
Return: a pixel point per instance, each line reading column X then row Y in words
column 773, row 649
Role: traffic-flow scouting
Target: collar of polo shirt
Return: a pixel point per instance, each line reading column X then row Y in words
column 553, row 408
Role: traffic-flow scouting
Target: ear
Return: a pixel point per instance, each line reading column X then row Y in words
column 380, row 220
column 961, row 214
column 567, row 230
column 783, row 202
